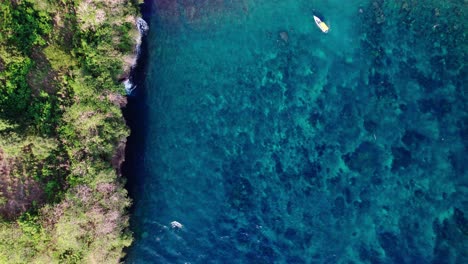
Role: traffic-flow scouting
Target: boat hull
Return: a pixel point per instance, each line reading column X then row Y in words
column 320, row 24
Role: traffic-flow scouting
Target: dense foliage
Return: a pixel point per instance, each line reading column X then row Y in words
column 61, row 129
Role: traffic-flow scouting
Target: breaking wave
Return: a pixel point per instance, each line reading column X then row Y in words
column 142, row 27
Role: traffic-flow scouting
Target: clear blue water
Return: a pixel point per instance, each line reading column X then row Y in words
column 272, row 142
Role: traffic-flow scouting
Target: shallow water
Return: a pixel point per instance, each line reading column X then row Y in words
column 271, row 142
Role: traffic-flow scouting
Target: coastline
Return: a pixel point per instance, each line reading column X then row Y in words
column 135, row 114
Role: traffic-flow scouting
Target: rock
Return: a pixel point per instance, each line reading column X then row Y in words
column 117, row 99
column 284, row 36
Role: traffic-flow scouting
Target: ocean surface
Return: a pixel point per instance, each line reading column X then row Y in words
column 272, row 142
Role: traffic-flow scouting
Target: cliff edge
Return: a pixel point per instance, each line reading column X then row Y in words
column 62, row 134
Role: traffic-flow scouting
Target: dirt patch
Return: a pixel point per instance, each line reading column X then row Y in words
column 119, row 156
column 2, row 65
column 65, row 27
column 117, row 99
column 42, row 77
column 128, row 62
column 17, row 194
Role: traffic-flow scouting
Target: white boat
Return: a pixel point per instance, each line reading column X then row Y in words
column 321, row 25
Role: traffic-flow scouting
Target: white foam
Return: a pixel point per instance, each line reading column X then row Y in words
column 129, row 86
column 142, row 27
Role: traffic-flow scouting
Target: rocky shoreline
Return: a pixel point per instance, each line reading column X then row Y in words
column 135, row 113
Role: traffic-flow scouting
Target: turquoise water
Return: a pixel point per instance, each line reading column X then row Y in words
column 272, row 142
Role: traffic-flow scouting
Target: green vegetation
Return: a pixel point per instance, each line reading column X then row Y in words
column 61, row 128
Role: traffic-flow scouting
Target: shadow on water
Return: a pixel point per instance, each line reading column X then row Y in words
column 135, row 114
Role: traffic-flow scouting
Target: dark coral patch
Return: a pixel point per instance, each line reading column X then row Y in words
column 365, row 159
column 401, row 158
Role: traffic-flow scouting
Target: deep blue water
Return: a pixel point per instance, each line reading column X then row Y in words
column 272, row 142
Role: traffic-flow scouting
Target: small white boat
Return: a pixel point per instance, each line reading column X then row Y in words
column 176, row 225
column 321, row 25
